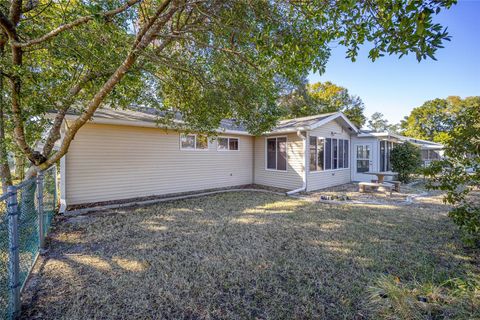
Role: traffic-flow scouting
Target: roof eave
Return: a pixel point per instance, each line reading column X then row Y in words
column 333, row 117
column 148, row 124
column 289, row 130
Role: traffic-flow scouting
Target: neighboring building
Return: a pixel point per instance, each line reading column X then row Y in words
column 372, row 152
column 124, row 154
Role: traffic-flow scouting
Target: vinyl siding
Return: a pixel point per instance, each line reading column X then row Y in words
column 112, row 162
column 328, row 178
column 290, row 179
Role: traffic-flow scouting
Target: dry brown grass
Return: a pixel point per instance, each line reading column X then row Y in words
column 256, row 256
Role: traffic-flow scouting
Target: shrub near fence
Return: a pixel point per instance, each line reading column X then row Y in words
column 26, row 212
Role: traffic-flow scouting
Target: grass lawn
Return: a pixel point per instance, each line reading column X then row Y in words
column 253, row 255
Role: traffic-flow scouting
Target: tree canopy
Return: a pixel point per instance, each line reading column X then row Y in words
column 378, row 123
column 207, row 60
column 322, row 97
column 458, row 173
column 432, row 120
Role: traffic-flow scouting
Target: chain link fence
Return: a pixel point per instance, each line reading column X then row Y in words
column 26, row 213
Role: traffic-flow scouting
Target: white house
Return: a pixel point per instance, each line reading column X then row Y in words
column 125, row 154
column 372, row 152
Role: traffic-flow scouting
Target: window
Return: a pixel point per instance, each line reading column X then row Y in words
column 225, row 144
column 317, row 154
column 222, row 144
column 193, row 142
column 385, row 149
column 382, row 155
column 341, row 155
column 313, row 153
column 328, row 153
column 277, row 153
column 428, row 155
column 321, row 154
column 389, row 150
column 232, row 144
column 346, row 154
column 335, row 154
column 363, row 166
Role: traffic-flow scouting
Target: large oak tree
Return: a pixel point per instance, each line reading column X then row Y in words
column 205, row 59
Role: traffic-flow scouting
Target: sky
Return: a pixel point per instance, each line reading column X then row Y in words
column 395, row 86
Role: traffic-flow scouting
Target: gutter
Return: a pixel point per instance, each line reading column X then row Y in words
column 305, row 152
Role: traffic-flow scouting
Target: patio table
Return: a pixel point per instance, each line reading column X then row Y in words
column 381, row 175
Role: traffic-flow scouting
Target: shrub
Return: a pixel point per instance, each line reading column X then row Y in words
column 405, row 159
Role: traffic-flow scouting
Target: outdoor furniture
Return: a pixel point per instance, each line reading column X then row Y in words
column 396, row 184
column 381, row 175
column 362, row 186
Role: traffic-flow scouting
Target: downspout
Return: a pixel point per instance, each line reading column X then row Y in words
column 63, row 176
column 305, row 157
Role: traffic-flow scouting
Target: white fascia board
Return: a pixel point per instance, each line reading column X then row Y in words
column 289, row 130
column 372, row 134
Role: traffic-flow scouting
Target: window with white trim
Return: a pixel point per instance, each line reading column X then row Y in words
column 328, row 154
column 317, row 153
column 193, row 142
column 276, row 153
column 226, row 144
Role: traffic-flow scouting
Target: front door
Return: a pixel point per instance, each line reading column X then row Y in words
column 363, row 161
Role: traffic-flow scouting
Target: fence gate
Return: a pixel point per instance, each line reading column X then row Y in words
column 26, row 213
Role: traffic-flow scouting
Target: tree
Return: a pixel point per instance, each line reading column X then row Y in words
column 207, row 60
column 431, row 121
column 378, row 122
column 311, row 99
column 406, row 159
column 458, row 173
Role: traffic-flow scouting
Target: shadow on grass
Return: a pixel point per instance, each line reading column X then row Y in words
column 244, row 255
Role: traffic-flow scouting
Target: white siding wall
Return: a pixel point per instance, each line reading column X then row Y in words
column 111, row 162
column 290, row 179
column 328, row 178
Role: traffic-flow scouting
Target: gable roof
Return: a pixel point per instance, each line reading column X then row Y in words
column 312, row 122
column 152, row 117
column 300, row 122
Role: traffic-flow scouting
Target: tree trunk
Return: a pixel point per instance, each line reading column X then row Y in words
column 20, row 166
column 5, row 174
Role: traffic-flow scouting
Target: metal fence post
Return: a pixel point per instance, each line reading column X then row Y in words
column 54, row 208
column 13, row 256
column 41, row 216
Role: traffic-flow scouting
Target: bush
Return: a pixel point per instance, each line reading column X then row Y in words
column 405, row 159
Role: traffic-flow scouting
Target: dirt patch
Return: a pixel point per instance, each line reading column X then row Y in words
column 349, row 192
column 169, row 195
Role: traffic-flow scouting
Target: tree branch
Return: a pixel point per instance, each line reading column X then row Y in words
column 54, row 132
column 7, row 26
column 79, row 21
column 15, row 11
column 146, row 38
